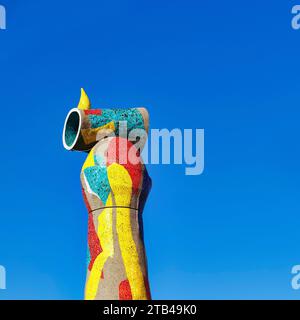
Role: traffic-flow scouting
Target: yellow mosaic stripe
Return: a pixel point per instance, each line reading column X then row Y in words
column 121, row 186
column 105, row 234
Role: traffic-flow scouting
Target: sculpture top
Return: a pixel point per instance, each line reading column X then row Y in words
column 84, row 126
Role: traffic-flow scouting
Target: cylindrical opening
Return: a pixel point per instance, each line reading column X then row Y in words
column 72, row 129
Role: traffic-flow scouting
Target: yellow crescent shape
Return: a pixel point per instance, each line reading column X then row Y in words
column 84, row 103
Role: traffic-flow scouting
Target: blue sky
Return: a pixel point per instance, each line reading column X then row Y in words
column 227, row 67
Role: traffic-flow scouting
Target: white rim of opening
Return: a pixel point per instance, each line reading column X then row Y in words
column 78, row 131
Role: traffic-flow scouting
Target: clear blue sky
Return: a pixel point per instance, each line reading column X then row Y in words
column 229, row 67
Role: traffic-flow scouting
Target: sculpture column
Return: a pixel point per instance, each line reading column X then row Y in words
column 115, row 186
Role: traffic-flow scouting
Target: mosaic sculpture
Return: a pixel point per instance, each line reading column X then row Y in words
column 115, row 186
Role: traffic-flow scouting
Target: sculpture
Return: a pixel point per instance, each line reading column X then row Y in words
column 115, row 186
